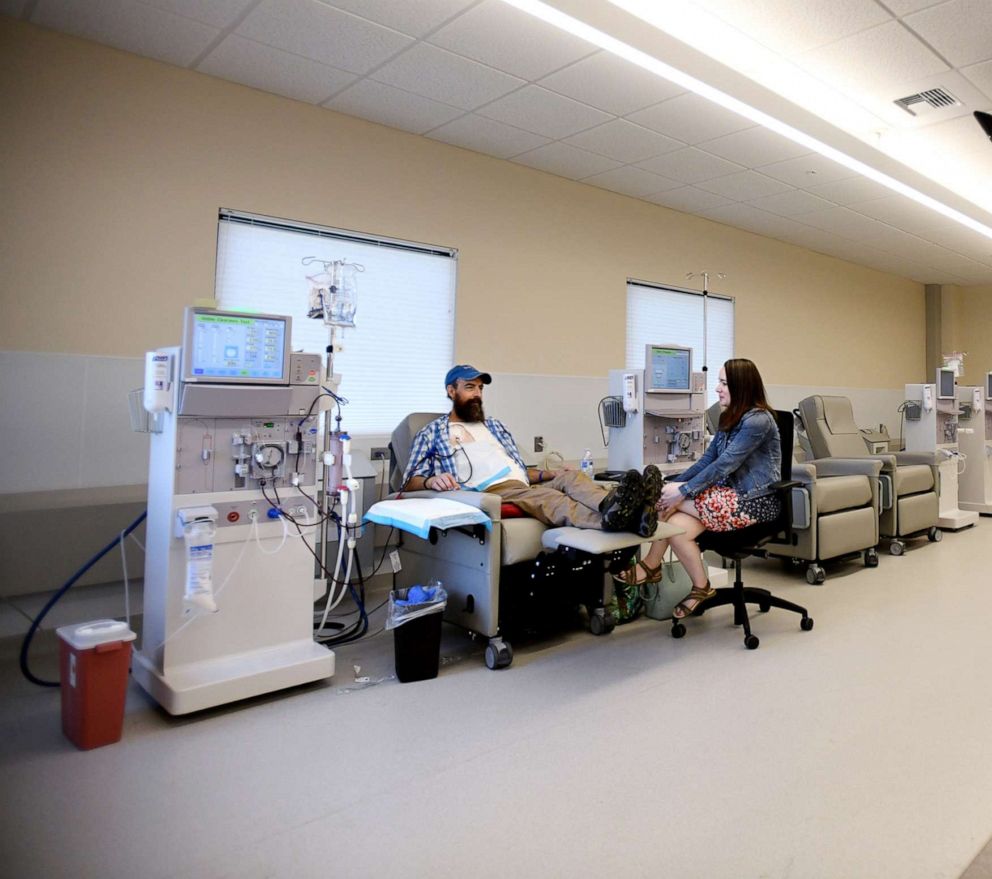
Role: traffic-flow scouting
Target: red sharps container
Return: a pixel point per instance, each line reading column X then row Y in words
column 95, row 658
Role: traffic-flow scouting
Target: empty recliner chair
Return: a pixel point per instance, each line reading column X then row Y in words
column 909, row 481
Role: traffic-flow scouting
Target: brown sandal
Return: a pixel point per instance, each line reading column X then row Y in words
column 629, row 576
column 697, row 597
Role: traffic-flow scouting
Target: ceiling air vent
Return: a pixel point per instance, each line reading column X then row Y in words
column 927, row 102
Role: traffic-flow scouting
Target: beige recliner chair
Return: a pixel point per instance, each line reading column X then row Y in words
column 908, row 482
column 518, row 570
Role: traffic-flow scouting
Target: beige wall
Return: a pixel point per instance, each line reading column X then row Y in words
column 114, row 167
column 974, row 331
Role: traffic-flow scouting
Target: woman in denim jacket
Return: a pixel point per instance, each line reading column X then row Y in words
column 728, row 488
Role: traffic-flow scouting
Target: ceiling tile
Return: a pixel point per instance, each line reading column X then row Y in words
column 443, row 76
column 216, row 13
column 981, row 75
column 753, row 147
column 961, row 30
column 415, row 19
column 806, row 171
column 565, row 160
column 687, row 199
column 791, row 204
column 846, row 223
column 508, row 39
column 901, row 212
column 689, row 165
column 788, row 26
column 746, row 217
column 382, row 103
column 690, row 118
column 852, row 64
column 487, row 136
column 610, row 83
column 272, row 70
column 853, row 189
column 632, row 181
column 744, row 185
column 535, row 109
column 323, row 34
column 904, row 7
column 624, row 141
column 130, row 26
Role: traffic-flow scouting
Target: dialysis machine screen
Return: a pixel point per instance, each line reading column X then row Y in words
column 231, row 347
column 945, row 383
column 668, row 370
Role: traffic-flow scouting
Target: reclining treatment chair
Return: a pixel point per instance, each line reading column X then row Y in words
column 521, row 567
column 834, row 512
column 909, row 482
column 740, row 544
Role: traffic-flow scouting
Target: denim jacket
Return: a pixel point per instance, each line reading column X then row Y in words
column 748, row 458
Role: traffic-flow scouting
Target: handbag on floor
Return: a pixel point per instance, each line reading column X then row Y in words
column 659, row 599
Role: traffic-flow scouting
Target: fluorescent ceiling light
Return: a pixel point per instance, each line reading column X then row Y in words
column 648, row 62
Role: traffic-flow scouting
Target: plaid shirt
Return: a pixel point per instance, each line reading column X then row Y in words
column 433, row 443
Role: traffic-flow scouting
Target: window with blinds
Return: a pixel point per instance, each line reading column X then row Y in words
column 668, row 315
column 394, row 361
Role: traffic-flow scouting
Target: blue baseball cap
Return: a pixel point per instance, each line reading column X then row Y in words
column 465, row 372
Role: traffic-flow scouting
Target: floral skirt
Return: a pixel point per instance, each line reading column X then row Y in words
column 721, row 508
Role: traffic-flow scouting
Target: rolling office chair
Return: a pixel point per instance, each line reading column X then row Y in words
column 740, row 544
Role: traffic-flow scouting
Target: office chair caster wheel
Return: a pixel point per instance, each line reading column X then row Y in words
column 751, row 642
column 499, row 654
column 806, row 623
column 602, row 623
column 871, row 558
column 815, row 575
column 935, row 535
column 678, row 630
column 897, row 547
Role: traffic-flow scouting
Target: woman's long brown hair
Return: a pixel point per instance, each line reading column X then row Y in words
column 747, row 392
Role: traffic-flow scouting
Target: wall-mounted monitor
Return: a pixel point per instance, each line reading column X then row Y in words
column 230, row 347
column 668, row 369
column 945, row 383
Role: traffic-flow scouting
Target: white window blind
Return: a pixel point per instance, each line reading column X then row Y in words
column 665, row 315
column 395, row 359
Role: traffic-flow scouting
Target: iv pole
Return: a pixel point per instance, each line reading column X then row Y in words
column 706, row 280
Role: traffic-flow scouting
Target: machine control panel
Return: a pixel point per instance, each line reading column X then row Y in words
column 304, row 369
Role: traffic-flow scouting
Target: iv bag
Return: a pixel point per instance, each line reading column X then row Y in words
column 334, row 293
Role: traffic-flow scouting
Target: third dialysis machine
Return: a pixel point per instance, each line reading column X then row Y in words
column 975, row 443
column 932, row 426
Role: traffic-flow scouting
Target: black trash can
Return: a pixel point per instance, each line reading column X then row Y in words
column 416, row 633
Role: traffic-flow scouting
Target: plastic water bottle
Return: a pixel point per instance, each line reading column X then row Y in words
column 586, row 465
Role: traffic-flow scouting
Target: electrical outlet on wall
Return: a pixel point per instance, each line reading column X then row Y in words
column 379, row 453
column 538, row 443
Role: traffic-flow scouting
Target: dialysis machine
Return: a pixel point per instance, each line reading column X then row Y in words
column 932, row 426
column 232, row 513
column 975, row 442
column 657, row 413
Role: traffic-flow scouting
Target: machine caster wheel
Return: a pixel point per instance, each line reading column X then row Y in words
column 897, row 547
column 806, row 623
column 935, row 535
column 602, row 623
column 499, row 654
column 751, row 642
column 815, row 575
column 871, row 558
column 678, row 630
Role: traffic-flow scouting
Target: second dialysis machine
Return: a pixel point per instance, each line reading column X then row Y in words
column 936, row 430
column 232, row 514
column 660, row 417
column 975, row 442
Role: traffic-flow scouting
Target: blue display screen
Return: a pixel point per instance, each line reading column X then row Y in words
column 669, row 370
column 238, row 348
